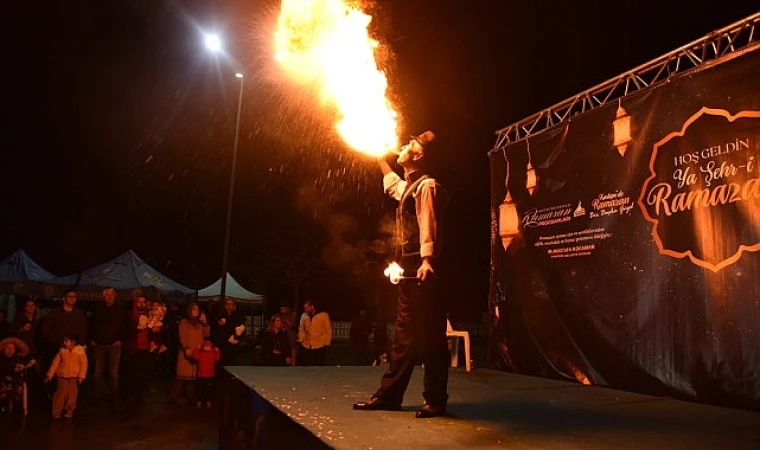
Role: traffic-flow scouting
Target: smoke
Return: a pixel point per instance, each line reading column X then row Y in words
column 351, row 242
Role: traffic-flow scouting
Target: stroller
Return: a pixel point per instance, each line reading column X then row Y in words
column 13, row 388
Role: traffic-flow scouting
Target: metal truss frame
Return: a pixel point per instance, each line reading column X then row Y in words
column 717, row 45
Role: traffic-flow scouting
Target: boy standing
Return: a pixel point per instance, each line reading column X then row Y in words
column 70, row 369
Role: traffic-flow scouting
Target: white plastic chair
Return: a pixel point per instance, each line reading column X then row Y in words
column 465, row 335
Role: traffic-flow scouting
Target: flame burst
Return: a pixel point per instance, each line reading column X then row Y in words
column 394, row 272
column 326, row 42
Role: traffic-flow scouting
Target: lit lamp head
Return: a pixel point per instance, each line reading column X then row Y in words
column 213, row 42
column 621, row 130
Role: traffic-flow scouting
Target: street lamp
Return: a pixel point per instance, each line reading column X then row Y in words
column 223, row 292
column 214, row 44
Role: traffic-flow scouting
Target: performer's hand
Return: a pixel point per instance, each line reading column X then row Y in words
column 384, row 166
column 425, row 270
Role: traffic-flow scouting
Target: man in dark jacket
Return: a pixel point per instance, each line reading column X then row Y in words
column 228, row 330
column 64, row 321
column 107, row 328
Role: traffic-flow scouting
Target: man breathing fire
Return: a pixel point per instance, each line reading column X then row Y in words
column 421, row 321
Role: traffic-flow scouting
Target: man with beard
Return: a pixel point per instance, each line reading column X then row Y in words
column 228, row 330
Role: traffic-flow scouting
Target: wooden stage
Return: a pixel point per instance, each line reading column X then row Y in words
column 310, row 408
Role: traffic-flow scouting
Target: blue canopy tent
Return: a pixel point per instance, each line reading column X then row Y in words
column 19, row 267
column 127, row 273
column 20, row 275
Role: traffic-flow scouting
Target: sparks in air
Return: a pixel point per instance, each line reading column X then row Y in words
column 326, row 43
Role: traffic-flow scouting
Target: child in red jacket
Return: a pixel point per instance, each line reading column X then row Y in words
column 206, row 357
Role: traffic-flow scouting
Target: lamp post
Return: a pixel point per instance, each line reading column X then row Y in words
column 214, row 44
column 230, row 195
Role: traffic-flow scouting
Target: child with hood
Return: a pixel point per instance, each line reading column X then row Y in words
column 13, row 363
column 70, row 369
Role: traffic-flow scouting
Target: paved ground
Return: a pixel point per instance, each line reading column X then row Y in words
column 154, row 425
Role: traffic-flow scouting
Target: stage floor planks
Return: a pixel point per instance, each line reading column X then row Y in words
column 491, row 409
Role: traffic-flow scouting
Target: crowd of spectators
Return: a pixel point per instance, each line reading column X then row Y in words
column 117, row 351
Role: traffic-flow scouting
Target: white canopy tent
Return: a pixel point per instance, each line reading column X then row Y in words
column 233, row 290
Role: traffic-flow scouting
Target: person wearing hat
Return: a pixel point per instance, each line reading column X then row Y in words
column 421, row 320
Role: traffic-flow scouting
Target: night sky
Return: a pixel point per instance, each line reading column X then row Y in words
column 118, row 127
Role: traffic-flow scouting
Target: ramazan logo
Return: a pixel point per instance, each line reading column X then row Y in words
column 703, row 192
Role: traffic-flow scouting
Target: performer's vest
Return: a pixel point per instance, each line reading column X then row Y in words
column 407, row 229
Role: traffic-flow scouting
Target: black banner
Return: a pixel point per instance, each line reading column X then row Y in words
column 633, row 259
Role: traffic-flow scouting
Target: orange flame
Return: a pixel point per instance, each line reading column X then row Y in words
column 580, row 376
column 394, row 272
column 326, row 42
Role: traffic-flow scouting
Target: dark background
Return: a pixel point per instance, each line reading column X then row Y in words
column 117, row 130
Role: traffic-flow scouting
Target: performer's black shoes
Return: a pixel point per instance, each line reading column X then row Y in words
column 428, row 411
column 375, row 404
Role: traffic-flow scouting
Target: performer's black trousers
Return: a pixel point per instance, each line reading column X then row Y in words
column 420, row 334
